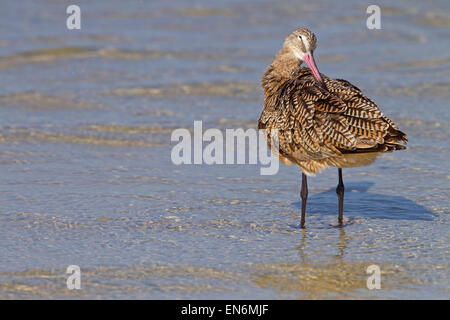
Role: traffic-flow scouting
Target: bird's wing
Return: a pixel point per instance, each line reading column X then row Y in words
column 365, row 121
column 315, row 123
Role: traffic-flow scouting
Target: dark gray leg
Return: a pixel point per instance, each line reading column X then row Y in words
column 340, row 194
column 304, row 196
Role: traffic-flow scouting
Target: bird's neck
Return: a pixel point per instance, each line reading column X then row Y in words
column 282, row 68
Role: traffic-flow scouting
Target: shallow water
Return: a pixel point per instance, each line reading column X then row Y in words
column 85, row 124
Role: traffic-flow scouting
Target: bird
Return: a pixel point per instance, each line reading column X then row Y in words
column 318, row 121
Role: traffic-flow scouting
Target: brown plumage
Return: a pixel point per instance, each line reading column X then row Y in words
column 321, row 121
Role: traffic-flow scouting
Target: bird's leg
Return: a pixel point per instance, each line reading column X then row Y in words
column 340, row 194
column 304, row 196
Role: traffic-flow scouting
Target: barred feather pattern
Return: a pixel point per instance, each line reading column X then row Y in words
column 319, row 126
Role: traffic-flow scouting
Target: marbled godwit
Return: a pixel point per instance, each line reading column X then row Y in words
column 321, row 121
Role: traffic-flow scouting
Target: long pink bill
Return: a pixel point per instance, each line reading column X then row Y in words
column 309, row 59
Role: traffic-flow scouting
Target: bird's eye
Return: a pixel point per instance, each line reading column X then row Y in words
column 300, row 38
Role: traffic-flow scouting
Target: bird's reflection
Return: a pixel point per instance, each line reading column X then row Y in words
column 341, row 245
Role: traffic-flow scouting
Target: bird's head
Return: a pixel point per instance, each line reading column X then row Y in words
column 301, row 44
